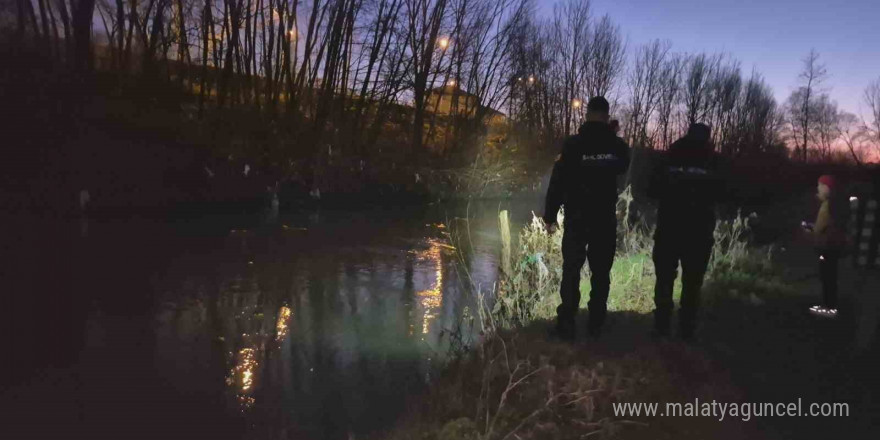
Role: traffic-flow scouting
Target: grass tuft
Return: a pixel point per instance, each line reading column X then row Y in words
column 530, row 291
column 515, row 384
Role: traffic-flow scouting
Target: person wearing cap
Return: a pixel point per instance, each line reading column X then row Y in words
column 829, row 239
column 686, row 184
column 615, row 126
column 584, row 180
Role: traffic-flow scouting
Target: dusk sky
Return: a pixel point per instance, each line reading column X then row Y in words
column 770, row 35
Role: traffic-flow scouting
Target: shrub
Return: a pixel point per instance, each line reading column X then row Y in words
column 530, row 290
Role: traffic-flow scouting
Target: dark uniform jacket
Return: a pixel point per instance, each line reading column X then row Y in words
column 687, row 183
column 584, row 176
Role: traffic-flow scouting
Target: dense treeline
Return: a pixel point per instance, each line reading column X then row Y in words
column 347, row 79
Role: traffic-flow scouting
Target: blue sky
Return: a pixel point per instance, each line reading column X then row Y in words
column 770, row 35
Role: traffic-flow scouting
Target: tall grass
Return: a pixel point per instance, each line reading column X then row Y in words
column 530, row 290
column 514, row 384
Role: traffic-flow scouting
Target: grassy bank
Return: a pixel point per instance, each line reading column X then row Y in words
column 530, row 290
column 516, row 383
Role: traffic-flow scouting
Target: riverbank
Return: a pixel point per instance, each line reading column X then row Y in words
column 757, row 343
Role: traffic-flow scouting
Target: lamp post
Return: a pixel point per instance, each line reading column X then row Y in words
column 443, row 43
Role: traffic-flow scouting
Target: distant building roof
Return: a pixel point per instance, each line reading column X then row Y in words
column 452, row 90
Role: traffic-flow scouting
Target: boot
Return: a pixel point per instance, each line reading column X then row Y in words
column 594, row 324
column 661, row 324
column 564, row 330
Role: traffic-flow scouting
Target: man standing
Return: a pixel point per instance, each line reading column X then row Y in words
column 686, row 185
column 584, row 179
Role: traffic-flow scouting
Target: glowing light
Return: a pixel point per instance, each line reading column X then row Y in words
column 243, row 372
column 432, row 298
column 822, row 257
column 281, row 327
column 451, row 82
column 247, row 379
column 443, row 42
column 576, row 103
column 853, row 199
column 531, row 79
column 823, row 310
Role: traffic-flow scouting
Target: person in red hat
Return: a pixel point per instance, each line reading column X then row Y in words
column 829, row 239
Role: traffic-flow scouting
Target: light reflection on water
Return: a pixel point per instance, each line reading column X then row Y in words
column 317, row 326
column 281, row 327
column 432, row 298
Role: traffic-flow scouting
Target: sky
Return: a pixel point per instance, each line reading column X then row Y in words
column 772, row 36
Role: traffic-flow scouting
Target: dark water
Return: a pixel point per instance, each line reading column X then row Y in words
column 313, row 325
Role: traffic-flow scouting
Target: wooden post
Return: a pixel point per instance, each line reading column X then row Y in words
column 504, row 224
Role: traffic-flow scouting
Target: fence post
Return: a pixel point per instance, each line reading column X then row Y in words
column 504, row 224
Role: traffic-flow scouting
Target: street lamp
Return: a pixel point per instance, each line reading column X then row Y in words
column 576, row 103
column 451, row 82
column 531, row 79
column 444, row 43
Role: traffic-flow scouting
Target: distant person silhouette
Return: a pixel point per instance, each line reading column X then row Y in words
column 686, row 184
column 584, row 180
column 829, row 239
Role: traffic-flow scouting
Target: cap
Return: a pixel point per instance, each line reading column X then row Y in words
column 827, row 180
column 598, row 104
column 699, row 131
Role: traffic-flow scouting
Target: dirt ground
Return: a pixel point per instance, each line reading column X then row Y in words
column 777, row 351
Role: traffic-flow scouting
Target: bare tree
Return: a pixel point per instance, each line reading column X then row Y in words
column 872, row 100
column 668, row 97
column 725, row 92
column 81, row 21
column 606, row 58
column 569, row 40
column 645, row 89
column 827, row 126
column 802, row 101
column 530, row 99
column 696, row 92
column 857, row 140
column 424, row 19
column 757, row 118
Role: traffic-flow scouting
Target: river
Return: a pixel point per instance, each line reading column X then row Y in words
column 311, row 325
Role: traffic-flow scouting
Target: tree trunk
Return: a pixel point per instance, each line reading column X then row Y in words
column 82, row 27
column 65, row 22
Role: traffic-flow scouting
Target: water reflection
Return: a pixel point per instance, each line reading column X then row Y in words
column 306, row 328
column 241, row 378
column 432, row 298
column 281, row 327
column 318, row 326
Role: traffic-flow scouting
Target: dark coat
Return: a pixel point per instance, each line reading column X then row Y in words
column 687, row 182
column 584, row 176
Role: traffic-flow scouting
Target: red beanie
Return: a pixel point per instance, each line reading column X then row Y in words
column 827, row 180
